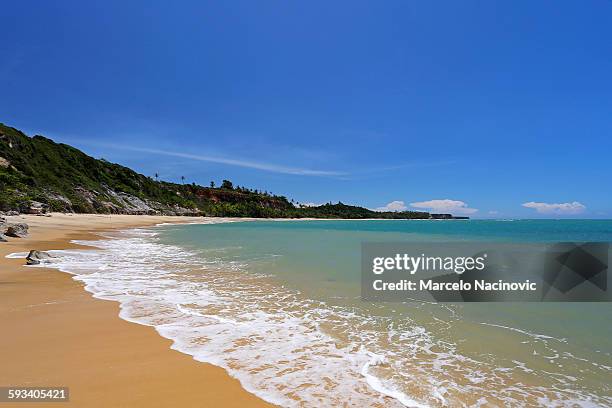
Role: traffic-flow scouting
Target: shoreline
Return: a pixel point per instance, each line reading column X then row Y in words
column 60, row 335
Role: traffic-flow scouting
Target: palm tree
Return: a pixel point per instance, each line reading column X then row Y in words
column 183, row 179
column 156, row 176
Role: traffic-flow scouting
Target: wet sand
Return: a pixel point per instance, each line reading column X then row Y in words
column 54, row 333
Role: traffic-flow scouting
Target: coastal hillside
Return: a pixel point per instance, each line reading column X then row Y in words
column 38, row 175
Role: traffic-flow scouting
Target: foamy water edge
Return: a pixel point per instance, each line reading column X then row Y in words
column 362, row 359
column 370, row 359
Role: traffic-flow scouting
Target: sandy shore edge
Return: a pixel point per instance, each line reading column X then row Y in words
column 54, row 333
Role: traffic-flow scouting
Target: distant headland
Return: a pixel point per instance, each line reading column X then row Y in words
column 38, row 175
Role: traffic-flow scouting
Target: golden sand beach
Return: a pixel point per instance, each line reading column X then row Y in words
column 54, row 333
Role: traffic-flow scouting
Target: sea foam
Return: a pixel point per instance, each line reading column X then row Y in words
column 282, row 346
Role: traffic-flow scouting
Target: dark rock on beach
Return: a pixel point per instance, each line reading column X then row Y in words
column 35, row 257
column 18, row 230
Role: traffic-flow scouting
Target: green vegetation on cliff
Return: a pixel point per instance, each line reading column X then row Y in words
column 65, row 179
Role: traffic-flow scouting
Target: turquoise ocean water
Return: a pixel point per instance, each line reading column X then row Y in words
column 321, row 260
column 277, row 303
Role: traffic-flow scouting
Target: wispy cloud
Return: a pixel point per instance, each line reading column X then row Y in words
column 445, row 206
column 234, row 162
column 556, row 208
column 354, row 174
column 393, row 206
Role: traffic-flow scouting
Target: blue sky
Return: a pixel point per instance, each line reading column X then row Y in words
column 488, row 105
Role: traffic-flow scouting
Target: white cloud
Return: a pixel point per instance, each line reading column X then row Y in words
column 393, row 206
column 265, row 166
column 233, row 162
column 556, row 208
column 445, row 206
column 493, row 212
